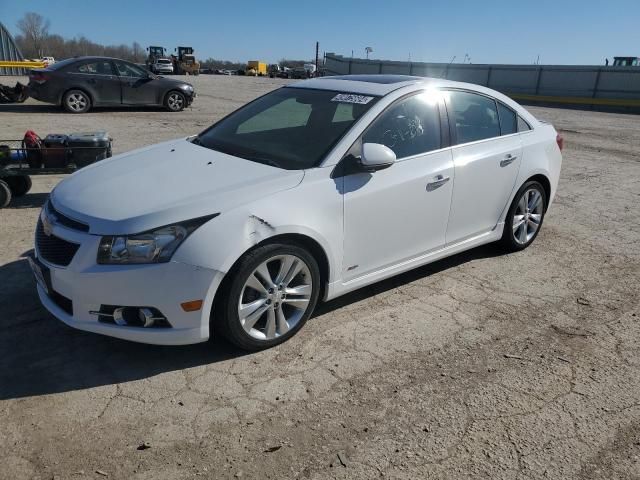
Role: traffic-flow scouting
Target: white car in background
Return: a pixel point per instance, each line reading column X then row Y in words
column 309, row 192
column 162, row 65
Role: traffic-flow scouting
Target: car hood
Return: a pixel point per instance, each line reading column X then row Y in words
column 170, row 82
column 164, row 184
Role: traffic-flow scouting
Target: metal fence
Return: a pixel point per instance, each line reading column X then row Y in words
column 9, row 51
column 565, row 84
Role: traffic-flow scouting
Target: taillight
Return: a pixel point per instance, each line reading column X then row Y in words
column 560, row 141
column 38, row 77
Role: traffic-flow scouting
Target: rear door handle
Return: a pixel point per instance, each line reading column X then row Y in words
column 437, row 182
column 508, row 159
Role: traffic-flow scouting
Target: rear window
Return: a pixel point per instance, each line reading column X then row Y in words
column 96, row 68
column 164, row 61
column 523, row 126
column 63, row 63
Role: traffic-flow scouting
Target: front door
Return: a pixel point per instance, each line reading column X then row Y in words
column 401, row 212
column 136, row 84
column 486, row 161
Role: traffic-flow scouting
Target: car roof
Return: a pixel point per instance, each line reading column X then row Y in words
column 378, row 85
column 382, row 85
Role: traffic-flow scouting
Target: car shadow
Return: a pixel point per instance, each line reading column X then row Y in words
column 29, row 200
column 485, row 251
column 41, row 355
column 48, row 108
column 30, row 108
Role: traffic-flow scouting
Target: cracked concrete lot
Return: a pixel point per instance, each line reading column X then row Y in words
column 520, row 366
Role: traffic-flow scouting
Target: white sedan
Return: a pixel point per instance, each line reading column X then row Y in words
column 306, row 193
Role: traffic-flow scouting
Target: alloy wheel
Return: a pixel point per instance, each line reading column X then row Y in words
column 77, row 102
column 175, row 101
column 528, row 216
column 275, row 297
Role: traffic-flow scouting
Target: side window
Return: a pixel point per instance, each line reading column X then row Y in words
column 96, row 68
column 508, row 122
column 523, row 126
column 409, row 127
column 476, row 116
column 129, row 70
column 287, row 114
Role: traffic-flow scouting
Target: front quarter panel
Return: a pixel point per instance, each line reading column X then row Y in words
column 312, row 209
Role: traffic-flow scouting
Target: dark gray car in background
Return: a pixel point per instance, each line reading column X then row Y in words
column 79, row 83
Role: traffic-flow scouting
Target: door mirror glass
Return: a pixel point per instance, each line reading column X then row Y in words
column 376, row 156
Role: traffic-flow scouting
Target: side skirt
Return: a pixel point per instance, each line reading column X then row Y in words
column 339, row 288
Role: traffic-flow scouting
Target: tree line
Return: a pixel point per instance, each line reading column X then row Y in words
column 36, row 42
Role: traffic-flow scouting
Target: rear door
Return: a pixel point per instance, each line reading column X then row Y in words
column 486, row 159
column 98, row 78
column 137, row 85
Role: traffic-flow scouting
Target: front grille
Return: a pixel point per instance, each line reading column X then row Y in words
column 61, row 301
column 53, row 249
column 66, row 221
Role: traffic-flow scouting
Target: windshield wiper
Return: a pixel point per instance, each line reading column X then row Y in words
column 247, row 154
column 266, row 160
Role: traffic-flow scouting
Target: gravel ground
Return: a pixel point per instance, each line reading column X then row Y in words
column 480, row 366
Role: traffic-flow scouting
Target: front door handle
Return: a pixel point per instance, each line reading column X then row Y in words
column 437, row 182
column 508, row 159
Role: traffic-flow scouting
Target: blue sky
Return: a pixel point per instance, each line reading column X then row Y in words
column 516, row 31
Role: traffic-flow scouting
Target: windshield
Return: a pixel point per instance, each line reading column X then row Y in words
column 290, row 128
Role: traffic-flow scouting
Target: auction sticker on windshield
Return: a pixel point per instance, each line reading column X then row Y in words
column 351, row 98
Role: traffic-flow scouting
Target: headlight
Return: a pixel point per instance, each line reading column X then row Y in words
column 155, row 246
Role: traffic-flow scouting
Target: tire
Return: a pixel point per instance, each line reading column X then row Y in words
column 524, row 218
column 273, row 314
column 175, row 101
column 19, row 184
column 5, row 194
column 76, row 101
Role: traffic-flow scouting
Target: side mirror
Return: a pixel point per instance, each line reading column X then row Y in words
column 376, row 156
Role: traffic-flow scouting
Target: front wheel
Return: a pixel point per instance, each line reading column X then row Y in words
column 524, row 217
column 268, row 298
column 175, row 101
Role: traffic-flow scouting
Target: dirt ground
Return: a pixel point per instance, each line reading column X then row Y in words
column 483, row 365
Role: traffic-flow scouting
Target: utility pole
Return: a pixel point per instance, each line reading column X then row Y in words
column 317, row 50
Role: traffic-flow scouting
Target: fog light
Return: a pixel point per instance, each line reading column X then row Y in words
column 146, row 317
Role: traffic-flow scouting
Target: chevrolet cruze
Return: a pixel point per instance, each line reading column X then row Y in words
column 307, row 193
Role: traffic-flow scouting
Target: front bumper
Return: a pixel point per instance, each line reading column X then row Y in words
column 162, row 286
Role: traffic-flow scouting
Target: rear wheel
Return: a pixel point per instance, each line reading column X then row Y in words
column 19, row 184
column 5, row 194
column 524, row 217
column 268, row 298
column 76, row 101
column 175, row 101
